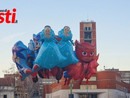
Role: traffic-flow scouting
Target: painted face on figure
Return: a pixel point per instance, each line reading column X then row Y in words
column 66, row 31
column 85, row 51
column 47, row 32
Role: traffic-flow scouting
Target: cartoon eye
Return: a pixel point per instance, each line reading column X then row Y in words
column 84, row 53
column 92, row 53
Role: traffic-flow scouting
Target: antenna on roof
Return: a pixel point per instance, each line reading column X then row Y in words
column 87, row 19
column 104, row 67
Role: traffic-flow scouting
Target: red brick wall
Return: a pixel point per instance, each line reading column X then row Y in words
column 81, row 32
column 94, row 35
column 106, row 80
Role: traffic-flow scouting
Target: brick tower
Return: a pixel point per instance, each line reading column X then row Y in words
column 88, row 32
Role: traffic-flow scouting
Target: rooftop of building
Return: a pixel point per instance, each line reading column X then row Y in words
column 88, row 21
column 6, row 82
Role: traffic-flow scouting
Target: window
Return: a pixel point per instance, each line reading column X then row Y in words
column 87, row 95
column 87, row 35
column 89, row 41
column 88, row 86
column 4, row 96
column 87, row 28
column 15, row 96
column 127, row 75
column 93, row 78
column 36, row 93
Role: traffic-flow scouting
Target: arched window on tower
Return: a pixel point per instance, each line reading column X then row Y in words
column 87, row 28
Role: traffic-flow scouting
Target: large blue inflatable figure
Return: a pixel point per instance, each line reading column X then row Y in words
column 24, row 57
column 65, row 46
column 49, row 54
column 20, row 53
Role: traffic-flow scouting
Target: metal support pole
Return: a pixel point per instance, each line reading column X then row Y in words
column 71, row 88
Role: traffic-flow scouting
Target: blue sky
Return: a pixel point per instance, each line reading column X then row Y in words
column 111, row 16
